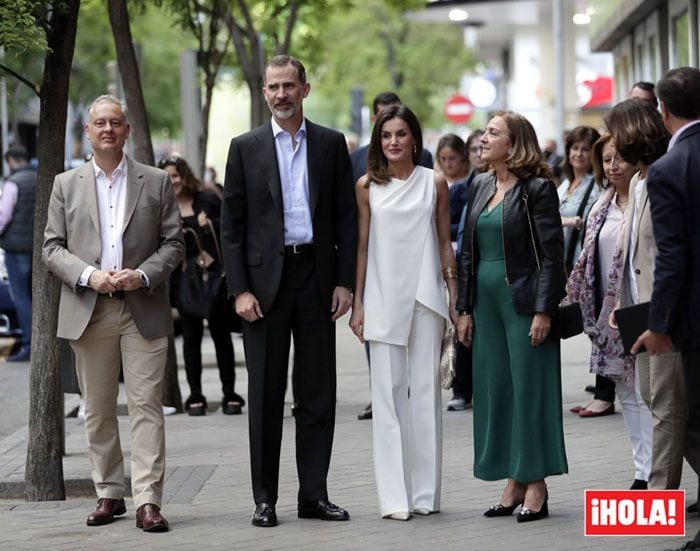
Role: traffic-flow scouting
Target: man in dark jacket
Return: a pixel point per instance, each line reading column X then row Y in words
column 672, row 185
column 16, row 237
column 289, row 238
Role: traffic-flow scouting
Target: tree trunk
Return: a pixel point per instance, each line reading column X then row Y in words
column 131, row 79
column 44, row 467
column 259, row 112
column 210, row 82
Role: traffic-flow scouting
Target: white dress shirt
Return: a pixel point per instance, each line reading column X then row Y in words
column 294, row 177
column 111, row 204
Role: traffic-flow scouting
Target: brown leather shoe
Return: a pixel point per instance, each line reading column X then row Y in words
column 105, row 511
column 149, row 519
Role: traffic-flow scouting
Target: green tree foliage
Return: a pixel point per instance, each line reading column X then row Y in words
column 375, row 46
column 162, row 41
column 19, row 31
column 153, row 28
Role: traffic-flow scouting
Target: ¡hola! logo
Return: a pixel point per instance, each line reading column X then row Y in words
column 635, row 512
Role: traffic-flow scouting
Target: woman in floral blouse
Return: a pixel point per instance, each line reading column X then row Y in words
column 595, row 284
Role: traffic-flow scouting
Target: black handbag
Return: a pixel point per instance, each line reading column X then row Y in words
column 567, row 321
column 201, row 287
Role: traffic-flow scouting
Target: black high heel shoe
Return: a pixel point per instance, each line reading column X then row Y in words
column 501, row 510
column 528, row 515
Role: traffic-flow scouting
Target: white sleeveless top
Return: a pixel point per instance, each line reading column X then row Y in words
column 403, row 262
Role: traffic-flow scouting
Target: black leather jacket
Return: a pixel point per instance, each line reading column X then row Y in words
column 535, row 276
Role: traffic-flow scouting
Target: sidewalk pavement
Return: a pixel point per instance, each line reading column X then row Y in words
column 208, row 496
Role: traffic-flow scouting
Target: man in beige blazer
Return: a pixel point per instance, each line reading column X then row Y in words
column 661, row 382
column 113, row 237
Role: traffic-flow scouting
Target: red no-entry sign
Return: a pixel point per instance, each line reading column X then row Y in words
column 459, row 109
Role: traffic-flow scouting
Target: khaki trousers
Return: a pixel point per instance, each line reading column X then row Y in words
column 111, row 340
column 662, row 387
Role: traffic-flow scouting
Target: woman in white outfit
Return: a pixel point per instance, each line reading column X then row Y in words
column 404, row 261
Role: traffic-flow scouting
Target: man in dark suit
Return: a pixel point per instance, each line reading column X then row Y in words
column 358, row 159
column 674, row 196
column 289, row 234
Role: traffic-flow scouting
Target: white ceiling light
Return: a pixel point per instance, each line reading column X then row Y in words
column 581, row 19
column 457, row 15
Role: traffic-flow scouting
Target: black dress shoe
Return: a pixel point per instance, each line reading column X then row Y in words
column 365, row 413
column 264, row 515
column 500, row 510
column 528, row 515
column 323, row 509
column 639, row 485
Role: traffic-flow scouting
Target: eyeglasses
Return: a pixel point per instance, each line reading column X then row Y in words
column 475, row 149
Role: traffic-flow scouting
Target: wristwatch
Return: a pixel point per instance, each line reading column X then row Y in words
column 144, row 281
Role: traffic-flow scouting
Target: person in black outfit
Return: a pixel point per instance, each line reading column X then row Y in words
column 200, row 212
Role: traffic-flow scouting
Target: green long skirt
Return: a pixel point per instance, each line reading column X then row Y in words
column 518, row 430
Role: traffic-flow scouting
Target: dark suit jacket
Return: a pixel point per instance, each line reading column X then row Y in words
column 252, row 218
column 673, row 185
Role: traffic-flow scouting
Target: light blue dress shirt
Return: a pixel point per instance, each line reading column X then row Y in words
column 294, row 178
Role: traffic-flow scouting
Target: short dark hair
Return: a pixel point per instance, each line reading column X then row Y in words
column 647, row 87
column 385, row 98
column 17, row 151
column 638, row 131
column 190, row 182
column 578, row 134
column 377, row 164
column 679, row 90
column 283, row 61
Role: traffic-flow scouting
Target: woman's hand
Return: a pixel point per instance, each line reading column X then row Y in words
column 357, row 322
column 465, row 328
column 202, row 219
column 454, row 317
column 541, row 324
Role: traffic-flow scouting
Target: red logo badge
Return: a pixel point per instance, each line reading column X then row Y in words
column 635, row 512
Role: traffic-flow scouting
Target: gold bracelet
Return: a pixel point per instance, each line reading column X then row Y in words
column 450, row 272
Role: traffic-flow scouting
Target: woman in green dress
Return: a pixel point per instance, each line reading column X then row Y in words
column 511, row 281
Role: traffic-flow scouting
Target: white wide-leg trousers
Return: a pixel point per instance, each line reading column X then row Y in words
column 407, row 417
column 640, row 425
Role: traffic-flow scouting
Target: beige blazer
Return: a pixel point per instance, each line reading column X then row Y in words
column 645, row 249
column 152, row 242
